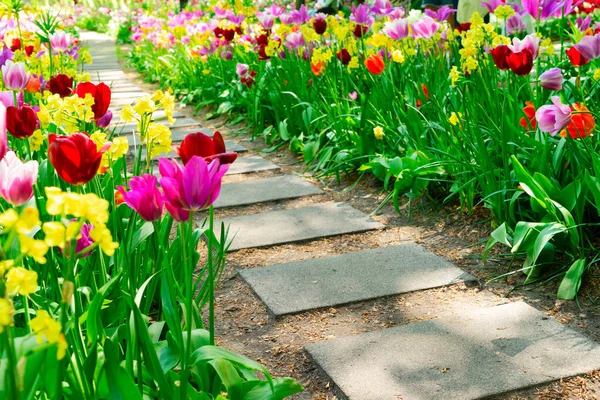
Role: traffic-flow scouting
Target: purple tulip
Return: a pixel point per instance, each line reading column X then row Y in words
column 361, row 15
column 515, row 24
column 85, row 241
column 17, row 179
column 424, row 28
column 396, row 13
column 105, row 120
column 589, row 47
column 382, row 7
column 552, row 118
column 178, row 213
column 583, row 24
column 242, row 70
column 192, row 187
column 492, row 5
column 5, row 55
column 144, row 197
column 396, row 29
column 300, row 16
column 265, row 19
column 14, row 75
column 60, row 41
column 552, row 79
column 441, row 14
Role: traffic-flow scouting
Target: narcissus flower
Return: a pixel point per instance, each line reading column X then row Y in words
column 201, row 145
column 46, row 327
column 75, row 158
column 100, row 93
column 144, row 197
column 375, row 64
column 192, row 187
column 21, row 122
column 21, row 280
column 554, row 117
column 17, row 179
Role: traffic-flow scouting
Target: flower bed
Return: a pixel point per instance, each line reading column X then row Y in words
column 103, row 290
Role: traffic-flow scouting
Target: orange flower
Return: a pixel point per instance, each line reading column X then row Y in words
column 375, row 64
column 425, row 90
column 318, row 68
column 582, row 122
column 529, row 111
column 118, row 198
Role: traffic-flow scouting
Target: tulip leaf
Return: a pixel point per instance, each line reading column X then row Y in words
column 571, row 282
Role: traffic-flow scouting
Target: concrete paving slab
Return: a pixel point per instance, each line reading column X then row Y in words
column 179, row 122
column 295, row 225
column 471, row 356
column 246, row 165
column 180, row 134
column 349, row 278
column 266, row 189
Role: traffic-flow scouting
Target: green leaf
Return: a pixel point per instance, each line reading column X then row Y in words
column 120, row 384
column 229, row 377
column 225, row 107
column 282, row 388
column 93, row 320
column 141, row 234
column 572, row 281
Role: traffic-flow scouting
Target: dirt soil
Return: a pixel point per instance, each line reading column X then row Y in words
column 245, row 326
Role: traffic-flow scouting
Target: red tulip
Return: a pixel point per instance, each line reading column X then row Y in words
column 21, row 122
column 520, row 63
column 320, row 24
column 100, row 93
column 16, row 44
column 61, row 85
column 29, row 50
column 576, row 58
column 499, row 55
column 529, row 111
column 360, row 30
column 375, row 64
column 199, row 144
column 344, row 56
column 75, row 158
column 582, row 122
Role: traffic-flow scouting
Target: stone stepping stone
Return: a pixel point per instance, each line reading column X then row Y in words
column 295, row 225
column 349, row 278
column 128, row 95
column 247, row 165
column 180, row 134
column 477, row 354
column 127, row 89
column 231, row 146
column 263, row 190
column 180, row 122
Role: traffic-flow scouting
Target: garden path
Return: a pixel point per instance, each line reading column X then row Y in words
column 485, row 352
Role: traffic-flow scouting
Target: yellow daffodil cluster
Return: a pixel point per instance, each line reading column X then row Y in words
column 45, row 327
column 66, row 112
column 119, row 147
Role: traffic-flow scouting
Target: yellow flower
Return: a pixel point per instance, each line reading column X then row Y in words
column 22, row 281
column 9, row 218
column 157, row 96
column 597, row 74
column 55, row 233
column 353, row 64
column 503, row 12
column 36, row 140
column 206, row 71
column 102, row 236
column 397, row 56
column 454, row 118
column 127, row 113
column 33, row 248
column 454, row 75
column 5, row 265
column 378, row 132
column 158, row 139
column 6, row 314
column 46, row 327
column 144, row 105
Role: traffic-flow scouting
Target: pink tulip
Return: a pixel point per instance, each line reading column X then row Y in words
column 396, row 29
column 144, row 197
column 60, row 41
column 531, row 42
column 588, row 46
column 553, row 118
column 552, row 79
column 192, row 187
column 17, row 179
column 3, row 138
column 15, row 76
column 425, row 28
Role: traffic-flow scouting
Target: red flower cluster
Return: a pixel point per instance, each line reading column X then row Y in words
column 16, row 45
column 529, row 111
column 425, row 90
column 520, row 63
column 228, row 34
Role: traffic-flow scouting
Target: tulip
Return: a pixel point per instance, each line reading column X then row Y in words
column 397, row 29
column 375, row 64
column 105, row 120
column 318, row 68
column 242, row 70
column 5, row 55
column 83, row 242
column 192, row 187
column 520, row 63
column 16, row 44
column 529, row 111
column 75, row 158
column 530, row 42
column 361, row 15
column 295, row 40
column 360, row 30
column 100, row 93
column 178, row 213
column 144, row 197
column 553, row 118
column 515, row 24
column 3, row 138
column 201, row 145
column 15, row 76
column 60, row 41
column 589, row 47
column 21, row 122
column 552, row 79
column 60, row 84
column 499, row 55
column 344, row 56
column 425, row 28
column 576, row 58
column 17, row 179
column 582, row 122
column 34, row 85
column 320, row 23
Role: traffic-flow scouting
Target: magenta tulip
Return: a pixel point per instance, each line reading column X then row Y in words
column 192, row 187
column 144, row 197
column 3, row 138
column 552, row 118
column 17, row 179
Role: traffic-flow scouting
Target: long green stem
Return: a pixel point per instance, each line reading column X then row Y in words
column 211, row 278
